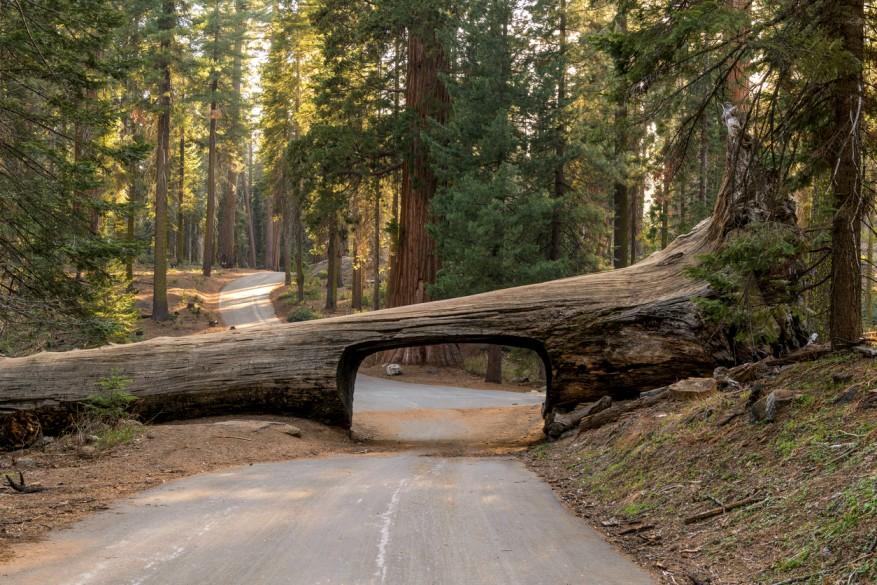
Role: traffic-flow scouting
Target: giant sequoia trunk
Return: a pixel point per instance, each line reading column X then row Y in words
column 612, row 333
column 415, row 265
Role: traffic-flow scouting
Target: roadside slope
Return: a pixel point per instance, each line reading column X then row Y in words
column 810, row 477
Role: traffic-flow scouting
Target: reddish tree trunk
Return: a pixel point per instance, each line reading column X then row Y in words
column 427, row 98
column 845, row 160
column 416, row 263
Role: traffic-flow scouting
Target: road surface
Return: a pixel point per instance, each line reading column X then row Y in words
column 376, row 394
column 246, row 301
column 402, row 519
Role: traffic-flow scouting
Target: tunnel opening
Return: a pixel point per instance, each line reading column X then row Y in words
column 506, row 379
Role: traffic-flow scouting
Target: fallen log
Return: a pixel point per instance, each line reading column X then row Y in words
column 606, row 334
column 557, row 422
column 613, row 413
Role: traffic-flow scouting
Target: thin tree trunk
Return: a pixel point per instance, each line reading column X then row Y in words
column 376, row 247
column 181, row 195
column 268, row 236
column 621, row 195
column 339, row 257
column 620, row 190
column 560, row 148
column 703, row 156
column 162, row 167
column 286, row 243
column 227, row 218
column 395, row 234
column 207, row 267
column 493, row 372
column 332, row 266
column 737, row 80
column 869, row 277
column 134, row 201
column 248, row 203
column 299, row 255
column 276, row 245
column 845, row 158
column 666, row 180
column 356, row 286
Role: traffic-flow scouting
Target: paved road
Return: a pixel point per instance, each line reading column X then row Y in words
column 370, row 520
column 400, row 520
column 376, row 394
column 246, row 302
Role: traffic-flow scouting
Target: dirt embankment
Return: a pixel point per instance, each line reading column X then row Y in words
column 788, row 501
column 193, row 301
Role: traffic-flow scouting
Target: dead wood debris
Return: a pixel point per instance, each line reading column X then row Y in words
column 21, row 487
column 613, row 413
column 706, row 515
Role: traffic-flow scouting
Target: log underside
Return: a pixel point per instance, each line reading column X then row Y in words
column 614, row 333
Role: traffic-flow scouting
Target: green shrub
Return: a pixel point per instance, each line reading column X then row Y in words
column 113, row 403
column 751, row 295
column 302, row 314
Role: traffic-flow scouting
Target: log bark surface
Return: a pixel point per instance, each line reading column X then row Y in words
column 611, row 333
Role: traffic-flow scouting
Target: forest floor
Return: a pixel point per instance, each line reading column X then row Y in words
column 810, row 477
column 185, row 286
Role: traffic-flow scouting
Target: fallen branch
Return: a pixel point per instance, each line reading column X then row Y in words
column 722, row 510
column 637, row 529
column 558, row 423
column 748, row 372
column 22, row 487
column 613, row 413
column 232, row 437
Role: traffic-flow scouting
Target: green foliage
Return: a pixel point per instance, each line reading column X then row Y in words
column 112, row 403
column 117, row 435
column 750, row 291
column 56, row 282
column 302, row 314
column 492, row 218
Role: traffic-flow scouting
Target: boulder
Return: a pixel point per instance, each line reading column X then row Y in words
column 765, row 409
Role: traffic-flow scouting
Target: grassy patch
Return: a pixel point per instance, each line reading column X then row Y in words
column 121, row 434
